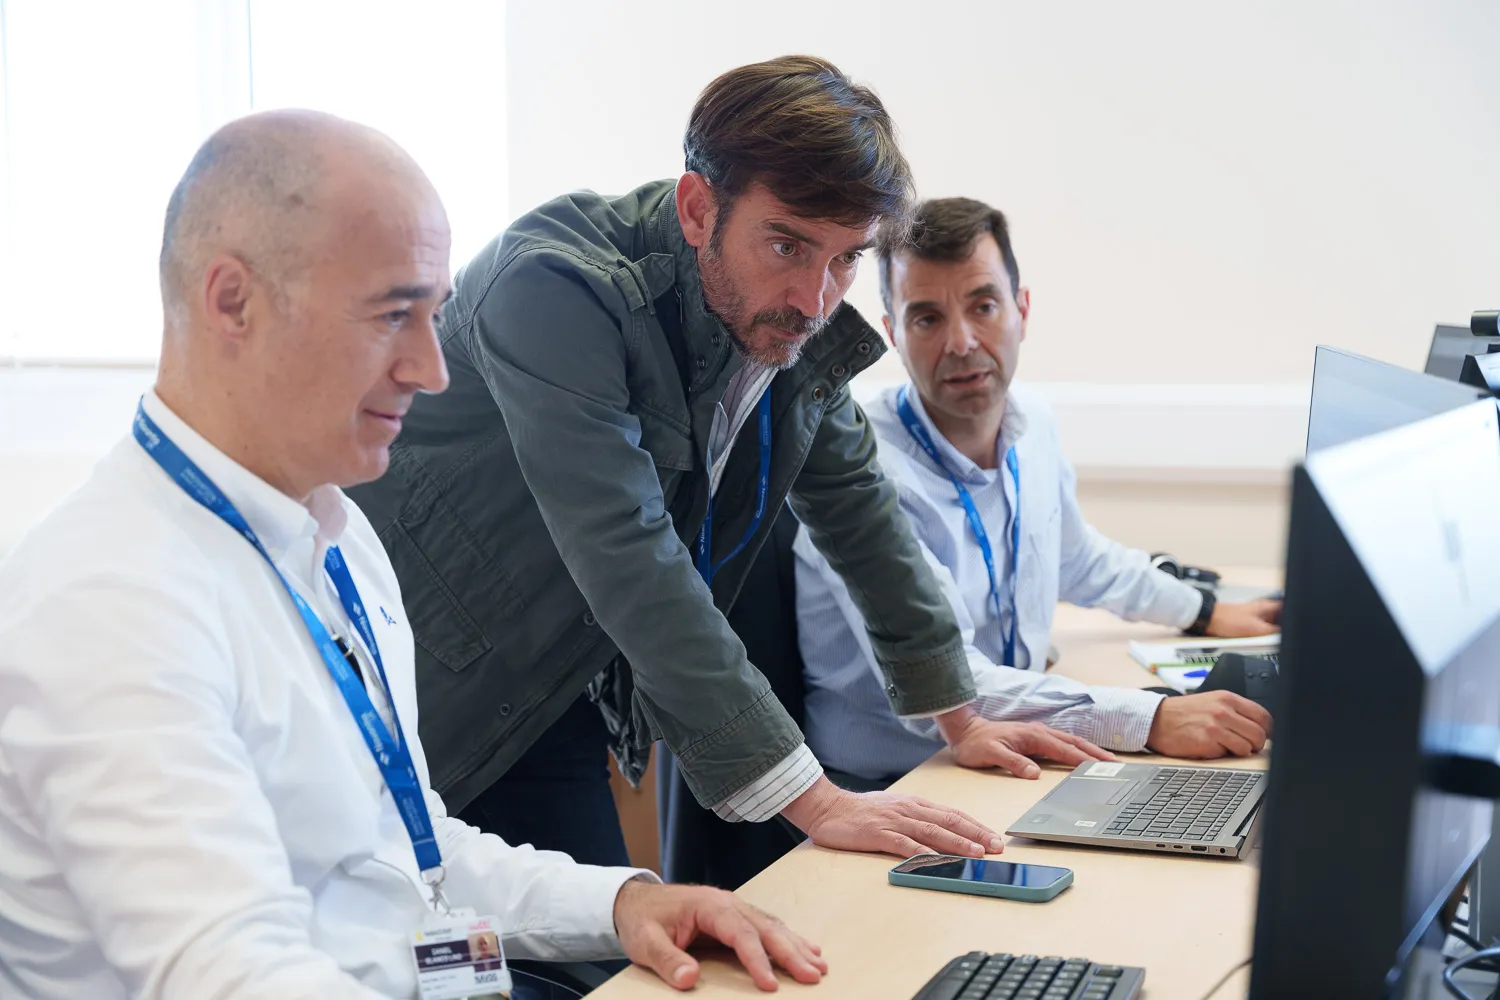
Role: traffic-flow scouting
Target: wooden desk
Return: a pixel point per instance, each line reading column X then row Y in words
column 1187, row 920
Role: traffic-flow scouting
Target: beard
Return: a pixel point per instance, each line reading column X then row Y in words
column 754, row 334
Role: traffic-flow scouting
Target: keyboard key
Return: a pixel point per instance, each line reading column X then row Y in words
column 1108, row 972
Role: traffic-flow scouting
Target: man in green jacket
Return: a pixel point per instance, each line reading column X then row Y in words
column 637, row 385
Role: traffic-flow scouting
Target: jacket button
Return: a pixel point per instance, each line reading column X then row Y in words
column 817, row 392
column 505, row 709
column 589, row 619
column 716, row 338
column 864, row 347
column 839, row 371
column 890, row 689
column 702, row 363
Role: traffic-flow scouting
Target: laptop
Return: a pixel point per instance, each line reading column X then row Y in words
column 1175, row 809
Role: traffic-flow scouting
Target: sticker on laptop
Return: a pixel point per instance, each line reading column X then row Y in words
column 1086, row 823
column 1101, row 769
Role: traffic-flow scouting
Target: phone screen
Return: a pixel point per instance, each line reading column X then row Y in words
column 982, row 870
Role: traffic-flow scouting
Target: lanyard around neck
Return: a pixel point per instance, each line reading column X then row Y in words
column 390, row 749
column 706, row 567
column 924, row 440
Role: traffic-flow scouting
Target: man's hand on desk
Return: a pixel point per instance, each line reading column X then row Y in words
column 979, row 742
column 656, row 922
column 1210, row 724
column 1239, row 621
column 884, row 822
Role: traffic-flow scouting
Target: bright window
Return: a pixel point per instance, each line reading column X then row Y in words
column 104, row 103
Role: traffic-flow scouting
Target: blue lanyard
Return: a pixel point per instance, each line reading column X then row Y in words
column 917, row 431
column 391, row 753
column 707, row 568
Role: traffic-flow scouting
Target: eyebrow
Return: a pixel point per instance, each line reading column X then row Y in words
column 400, row 293
column 988, row 290
column 785, row 230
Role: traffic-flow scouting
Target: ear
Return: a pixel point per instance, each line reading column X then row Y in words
column 696, row 208
column 890, row 330
column 228, row 288
column 1023, row 303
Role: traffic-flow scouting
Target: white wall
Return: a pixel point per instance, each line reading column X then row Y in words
column 1199, row 194
column 1199, row 191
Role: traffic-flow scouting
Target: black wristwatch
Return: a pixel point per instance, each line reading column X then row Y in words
column 1200, row 624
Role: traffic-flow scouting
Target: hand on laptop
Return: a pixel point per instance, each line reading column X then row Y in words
column 1237, row 621
column 1210, row 724
column 980, row 742
column 656, row 922
column 903, row 825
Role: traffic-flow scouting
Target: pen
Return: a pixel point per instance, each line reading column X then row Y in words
column 1196, row 673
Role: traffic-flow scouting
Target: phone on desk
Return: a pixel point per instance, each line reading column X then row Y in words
column 982, row 877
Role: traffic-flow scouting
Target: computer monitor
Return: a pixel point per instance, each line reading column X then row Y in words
column 1389, row 652
column 1355, row 396
column 1450, row 345
column 1482, row 371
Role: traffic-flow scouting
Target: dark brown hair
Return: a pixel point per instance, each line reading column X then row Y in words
column 945, row 229
column 819, row 142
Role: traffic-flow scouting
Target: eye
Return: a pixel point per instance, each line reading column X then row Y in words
column 988, row 308
column 851, row 258
column 924, row 321
column 784, row 248
column 396, row 319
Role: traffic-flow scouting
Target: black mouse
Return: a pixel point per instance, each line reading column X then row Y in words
column 1252, row 677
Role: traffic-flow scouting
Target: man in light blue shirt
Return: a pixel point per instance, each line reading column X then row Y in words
column 962, row 442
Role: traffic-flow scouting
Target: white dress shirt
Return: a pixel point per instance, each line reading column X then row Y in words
column 187, row 809
column 850, row 725
column 799, row 770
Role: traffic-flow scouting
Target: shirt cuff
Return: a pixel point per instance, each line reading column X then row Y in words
column 590, row 930
column 941, row 711
column 1122, row 717
column 1186, row 606
column 773, row 791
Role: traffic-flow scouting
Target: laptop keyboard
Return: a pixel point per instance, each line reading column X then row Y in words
column 1184, row 803
column 979, row 976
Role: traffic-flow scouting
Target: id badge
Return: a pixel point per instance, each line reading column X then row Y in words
column 460, row 956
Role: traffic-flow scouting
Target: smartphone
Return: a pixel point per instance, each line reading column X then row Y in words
column 982, row 877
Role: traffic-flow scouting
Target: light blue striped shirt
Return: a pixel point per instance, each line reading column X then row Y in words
column 850, row 726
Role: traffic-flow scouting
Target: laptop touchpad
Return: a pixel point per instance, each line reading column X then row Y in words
column 1095, row 791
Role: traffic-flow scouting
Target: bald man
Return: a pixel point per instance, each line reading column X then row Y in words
column 210, row 782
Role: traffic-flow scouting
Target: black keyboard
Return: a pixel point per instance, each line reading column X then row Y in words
column 978, row 976
column 1184, row 803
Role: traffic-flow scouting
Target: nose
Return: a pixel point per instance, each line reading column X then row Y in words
column 961, row 339
column 422, row 367
column 809, row 292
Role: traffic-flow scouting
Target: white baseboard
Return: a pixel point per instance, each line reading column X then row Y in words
column 1230, row 434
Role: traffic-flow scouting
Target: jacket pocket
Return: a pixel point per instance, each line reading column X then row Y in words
column 438, row 620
